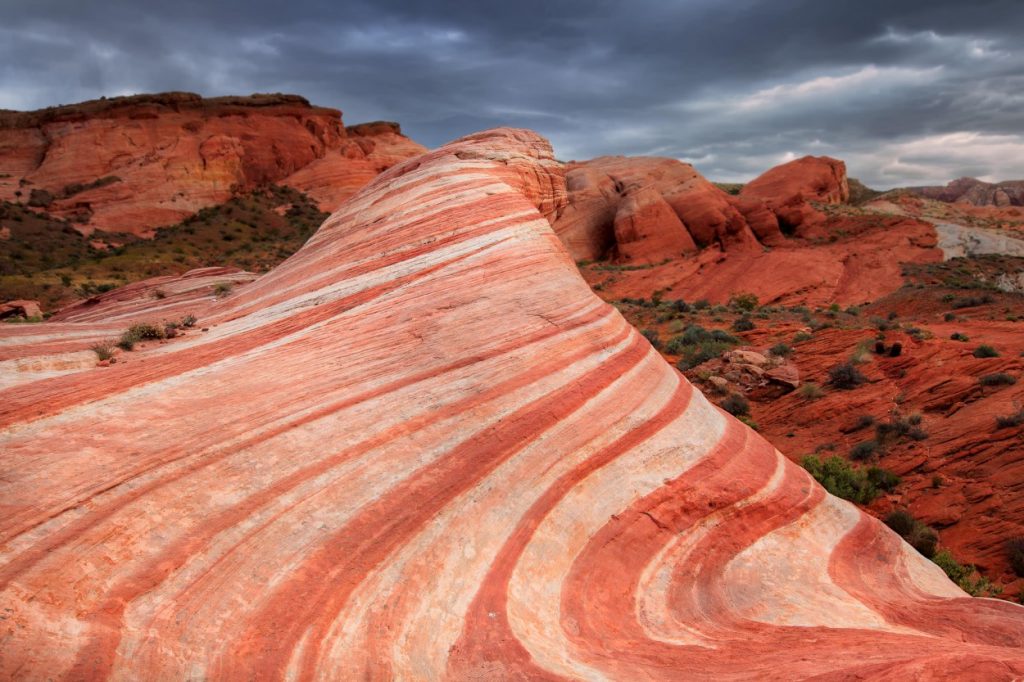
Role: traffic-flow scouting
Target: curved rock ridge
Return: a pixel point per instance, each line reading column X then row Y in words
column 421, row 448
column 132, row 164
column 975, row 192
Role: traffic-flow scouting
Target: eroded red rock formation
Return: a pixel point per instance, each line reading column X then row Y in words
column 422, row 448
column 131, row 164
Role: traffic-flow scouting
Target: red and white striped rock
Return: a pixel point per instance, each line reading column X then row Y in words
column 421, row 448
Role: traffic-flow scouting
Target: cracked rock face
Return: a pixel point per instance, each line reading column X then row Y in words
column 421, row 448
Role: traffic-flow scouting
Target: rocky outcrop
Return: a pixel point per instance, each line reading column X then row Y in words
column 787, row 190
column 646, row 210
column 131, row 164
column 421, row 448
column 976, row 192
column 20, row 309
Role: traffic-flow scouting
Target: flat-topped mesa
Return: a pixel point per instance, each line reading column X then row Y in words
column 132, row 164
column 422, row 448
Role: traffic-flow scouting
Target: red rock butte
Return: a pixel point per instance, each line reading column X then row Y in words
column 422, row 448
column 131, row 164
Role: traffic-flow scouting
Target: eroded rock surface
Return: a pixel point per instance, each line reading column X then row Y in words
column 131, row 164
column 421, row 448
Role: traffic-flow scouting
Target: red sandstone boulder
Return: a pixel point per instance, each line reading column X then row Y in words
column 814, row 178
column 26, row 309
column 648, row 230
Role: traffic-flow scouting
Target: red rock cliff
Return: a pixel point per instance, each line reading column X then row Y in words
column 131, row 164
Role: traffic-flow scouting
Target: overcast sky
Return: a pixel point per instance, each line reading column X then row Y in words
column 905, row 91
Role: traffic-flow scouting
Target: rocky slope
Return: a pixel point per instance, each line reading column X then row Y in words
column 131, row 164
column 357, row 473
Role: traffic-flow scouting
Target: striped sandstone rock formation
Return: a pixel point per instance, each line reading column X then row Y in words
column 422, row 449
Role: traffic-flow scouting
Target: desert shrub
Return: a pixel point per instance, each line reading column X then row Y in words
column 188, row 321
column 863, row 422
column 743, row 302
column 222, row 289
column 845, row 376
column 921, row 537
column 693, row 355
column 159, row 293
column 895, row 350
column 702, row 304
column 1015, row 555
column 840, row 479
column 782, row 350
column 139, row 332
column 652, row 336
column 103, row 351
column 901, row 427
column 949, row 317
column 743, row 324
column 810, row 391
column 736, row 405
column 883, row 479
column 971, row 301
column 985, row 351
column 962, row 575
column 959, row 336
column 864, row 450
column 997, row 379
column 1010, row 420
column 802, row 336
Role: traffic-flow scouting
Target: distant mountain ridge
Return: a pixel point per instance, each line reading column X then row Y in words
column 976, row 192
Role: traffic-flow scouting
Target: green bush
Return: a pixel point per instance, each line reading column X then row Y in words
column 743, row 324
column 743, row 302
column 782, row 350
column 962, row 575
column 652, row 336
column 985, row 351
column 736, row 405
column 691, row 356
column 864, row 450
column 810, row 391
column 103, row 351
column 845, row 376
column 921, row 537
column 840, row 479
column 222, row 289
column 800, row 337
column 883, row 478
column 959, row 336
column 997, row 379
column 139, row 332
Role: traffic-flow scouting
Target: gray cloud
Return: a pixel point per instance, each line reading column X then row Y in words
column 906, row 92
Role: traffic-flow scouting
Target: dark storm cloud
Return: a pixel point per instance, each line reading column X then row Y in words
column 906, row 92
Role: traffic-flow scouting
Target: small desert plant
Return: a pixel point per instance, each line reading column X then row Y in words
column 1010, row 420
column 921, row 537
column 103, row 351
column 222, row 289
column 736, row 405
column 962, row 575
column 863, row 421
column 743, row 302
column 159, row 293
column 652, row 336
column 997, row 379
column 810, row 391
column 802, row 336
column 1015, row 554
column 864, row 450
column 743, row 324
column 883, row 478
column 840, row 479
column 959, row 336
column 782, row 350
column 139, row 332
column 845, row 376
column 985, row 351
column 188, row 321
